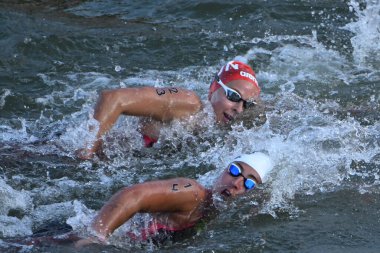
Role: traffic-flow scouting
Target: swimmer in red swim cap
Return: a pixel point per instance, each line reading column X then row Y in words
column 234, row 89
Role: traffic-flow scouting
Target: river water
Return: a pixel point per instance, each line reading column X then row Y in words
column 319, row 68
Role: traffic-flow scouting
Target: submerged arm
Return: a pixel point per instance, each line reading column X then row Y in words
column 178, row 195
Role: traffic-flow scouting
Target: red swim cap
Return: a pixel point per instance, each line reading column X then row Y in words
column 234, row 70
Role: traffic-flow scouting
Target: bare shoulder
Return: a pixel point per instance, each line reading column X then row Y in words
column 182, row 102
column 184, row 184
column 175, row 102
column 159, row 103
column 159, row 91
column 178, row 94
column 174, row 186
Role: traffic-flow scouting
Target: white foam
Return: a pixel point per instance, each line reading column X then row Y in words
column 307, row 62
column 81, row 218
column 19, row 135
column 13, row 199
column 79, row 136
column 3, row 95
column 366, row 42
column 44, row 214
column 13, row 226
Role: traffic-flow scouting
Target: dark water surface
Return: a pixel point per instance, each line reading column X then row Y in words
column 316, row 61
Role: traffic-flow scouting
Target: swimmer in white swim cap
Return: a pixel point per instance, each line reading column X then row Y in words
column 177, row 204
column 243, row 173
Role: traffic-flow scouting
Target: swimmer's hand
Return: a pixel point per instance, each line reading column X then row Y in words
column 89, row 152
column 84, row 154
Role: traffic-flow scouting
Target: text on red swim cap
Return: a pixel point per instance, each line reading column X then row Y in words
column 236, row 70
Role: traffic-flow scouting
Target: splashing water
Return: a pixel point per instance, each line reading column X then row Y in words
column 321, row 129
column 367, row 34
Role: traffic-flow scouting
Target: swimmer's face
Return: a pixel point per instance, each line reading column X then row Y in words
column 226, row 110
column 229, row 186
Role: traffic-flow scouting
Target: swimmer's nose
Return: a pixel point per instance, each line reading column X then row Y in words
column 238, row 185
column 238, row 107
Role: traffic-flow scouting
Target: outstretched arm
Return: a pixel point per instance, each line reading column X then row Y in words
column 161, row 104
column 179, row 195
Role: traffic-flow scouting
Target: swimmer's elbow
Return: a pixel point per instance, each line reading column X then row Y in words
column 193, row 102
column 188, row 105
column 111, row 96
column 111, row 100
column 106, row 97
column 197, row 105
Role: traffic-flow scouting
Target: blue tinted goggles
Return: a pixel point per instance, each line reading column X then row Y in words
column 235, row 170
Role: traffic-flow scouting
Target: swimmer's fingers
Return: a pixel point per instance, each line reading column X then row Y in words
column 84, row 153
column 83, row 242
column 88, row 241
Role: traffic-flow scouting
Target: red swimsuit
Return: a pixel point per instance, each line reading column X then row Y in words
column 159, row 233
column 148, row 141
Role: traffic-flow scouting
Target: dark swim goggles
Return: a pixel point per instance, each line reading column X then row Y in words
column 233, row 95
column 235, row 171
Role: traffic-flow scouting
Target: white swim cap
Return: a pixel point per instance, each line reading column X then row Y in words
column 259, row 161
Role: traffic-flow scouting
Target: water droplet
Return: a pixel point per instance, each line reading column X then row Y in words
column 117, row 68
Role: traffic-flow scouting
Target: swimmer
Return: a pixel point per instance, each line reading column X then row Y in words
column 233, row 89
column 177, row 204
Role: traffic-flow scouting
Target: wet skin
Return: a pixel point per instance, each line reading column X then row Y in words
column 162, row 105
column 229, row 186
column 179, row 202
column 226, row 110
